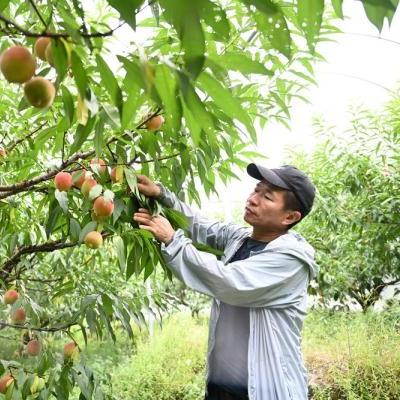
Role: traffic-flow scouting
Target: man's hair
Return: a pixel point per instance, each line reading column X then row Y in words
column 291, row 202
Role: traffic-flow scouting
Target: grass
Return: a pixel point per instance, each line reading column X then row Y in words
column 168, row 366
column 349, row 356
column 353, row 356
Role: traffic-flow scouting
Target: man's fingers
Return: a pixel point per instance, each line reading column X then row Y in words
column 146, row 228
column 144, row 210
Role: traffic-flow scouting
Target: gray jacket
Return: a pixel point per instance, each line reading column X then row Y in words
column 271, row 282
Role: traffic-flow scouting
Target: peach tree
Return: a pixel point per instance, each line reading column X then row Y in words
column 94, row 92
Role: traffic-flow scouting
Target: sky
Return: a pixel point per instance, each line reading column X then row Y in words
column 355, row 70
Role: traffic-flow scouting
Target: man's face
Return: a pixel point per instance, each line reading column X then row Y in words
column 265, row 209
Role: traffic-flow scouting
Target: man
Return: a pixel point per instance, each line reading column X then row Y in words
column 259, row 286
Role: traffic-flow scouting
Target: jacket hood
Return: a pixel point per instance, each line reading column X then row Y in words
column 295, row 244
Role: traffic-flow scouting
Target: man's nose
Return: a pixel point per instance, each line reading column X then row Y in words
column 253, row 198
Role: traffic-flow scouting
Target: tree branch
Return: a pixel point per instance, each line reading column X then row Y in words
column 22, row 31
column 7, row 191
column 47, row 247
column 4, row 325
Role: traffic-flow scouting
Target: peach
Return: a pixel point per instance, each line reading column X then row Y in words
column 78, row 177
column 94, row 240
column 70, row 350
column 3, row 152
column 33, row 347
column 63, row 181
column 19, row 316
column 87, row 186
column 99, row 165
column 103, row 207
column 117, row 175
column 11, row 296
column 17, row 64
column 39, row 92
column 5, row 382
column 40, row 47
column 155, row 123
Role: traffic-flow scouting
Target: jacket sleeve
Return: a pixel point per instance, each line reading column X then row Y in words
column 269, row 278
column 201, row 229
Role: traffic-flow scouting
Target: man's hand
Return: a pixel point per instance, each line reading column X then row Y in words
column 157, row 225
column 147, row 187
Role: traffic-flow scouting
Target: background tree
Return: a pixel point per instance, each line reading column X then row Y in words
column 355, row 225
column 180, row 106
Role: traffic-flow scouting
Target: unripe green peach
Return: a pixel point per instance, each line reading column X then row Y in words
column 71, row 350
column 40, row 47
column 155, row 123
column 98, row 165
column 94, row 240
column 17, row 64
column 33, row 347
column 103, row 207
column 39, row 92
column 11, row 296
column 63, row 181
column 117, row 174
column 87, row 186
column 5, row 382
column 19, row 316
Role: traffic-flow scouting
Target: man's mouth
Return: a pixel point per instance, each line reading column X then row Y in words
column 247, row 209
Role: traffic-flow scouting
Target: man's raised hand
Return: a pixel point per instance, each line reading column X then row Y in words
column 147, row 187
column 157, row 225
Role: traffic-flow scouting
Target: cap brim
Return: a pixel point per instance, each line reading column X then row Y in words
column 262, row 173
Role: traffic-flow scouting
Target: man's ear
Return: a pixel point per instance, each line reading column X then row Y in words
column 292, row 217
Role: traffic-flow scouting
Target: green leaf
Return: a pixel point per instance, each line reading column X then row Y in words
column 377, row 10
column 60, row 57
column 120, row 250
column 79, row 72
column 62, row 199
column 91, row 226
column 74, row 230
column 82, row 133
column 107, row 304
column 272, row 23
column 55, row 212
column 127, row 10
column 241, row 62
column 309, row 15
column 228, row 104
column 99, row 135
column 68, row 103
column 165, row 82
column 130, row 106
column 185, row 17
column 337, row 6
column 215, row 17
column 110, row 83
column 133, row 264
column 131, row 179
column 4, row 4
column 195, row 104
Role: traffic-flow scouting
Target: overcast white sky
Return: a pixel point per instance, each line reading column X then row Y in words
column 361, row 57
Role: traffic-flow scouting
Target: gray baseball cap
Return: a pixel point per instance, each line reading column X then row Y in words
column 290, row 178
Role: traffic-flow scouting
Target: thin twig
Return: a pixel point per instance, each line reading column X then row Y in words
column 17, row 142
column 38, row 329
column 25, row 32
column 38, row 13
